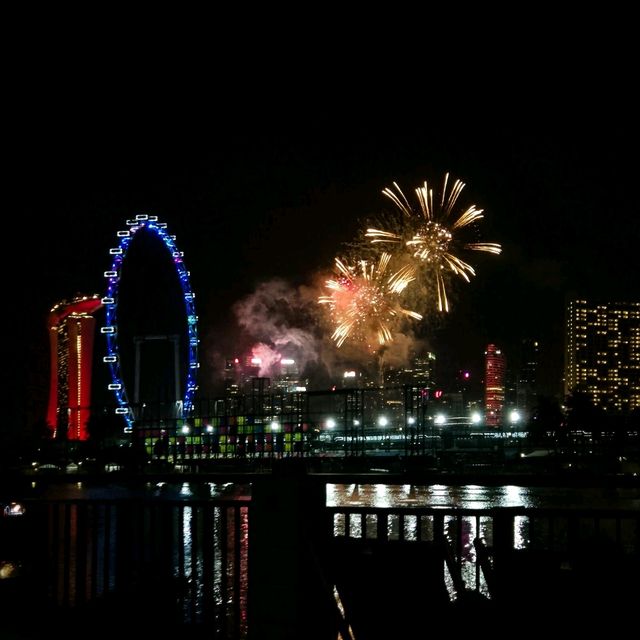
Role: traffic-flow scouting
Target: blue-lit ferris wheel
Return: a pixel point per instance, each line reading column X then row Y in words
column 110, row 301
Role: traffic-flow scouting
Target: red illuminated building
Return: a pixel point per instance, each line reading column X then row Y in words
column 71, row 330
column 494, row 385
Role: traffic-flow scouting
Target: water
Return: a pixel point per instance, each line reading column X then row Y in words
column 480, row 496
column 80, row 490
column 179, row 551
column 173, row 555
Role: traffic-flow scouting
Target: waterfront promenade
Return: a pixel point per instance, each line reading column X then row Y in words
column 265, row 553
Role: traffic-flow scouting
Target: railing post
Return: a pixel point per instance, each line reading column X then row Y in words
column 502, row 532
column 382, row 530
column 502, row 544
column 288, row 518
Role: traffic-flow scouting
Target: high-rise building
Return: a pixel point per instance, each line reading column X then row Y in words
column 418, row 377
column 251, row 368
column 602, row 355
column 528, row 373
column 417, row 372
column 494, row 385
column 71, row 333
column 423, row 370
column 232, row 377
column 288, row 378
column 527, row 383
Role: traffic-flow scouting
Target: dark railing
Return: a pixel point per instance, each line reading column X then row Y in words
column 482, row 547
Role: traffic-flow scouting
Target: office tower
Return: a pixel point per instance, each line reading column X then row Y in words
column 602, row 354
column 287, row 379
column 422, row 370
column 232, row 377
column 527, row 383
column 417, row 372
column 494, row 385
column 71, row 332
column 251, row 367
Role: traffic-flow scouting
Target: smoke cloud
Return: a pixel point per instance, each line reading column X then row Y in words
column 287, row 321
column 284, row 321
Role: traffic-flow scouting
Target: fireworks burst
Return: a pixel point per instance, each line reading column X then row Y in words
column 429, row 234
column 364, row 300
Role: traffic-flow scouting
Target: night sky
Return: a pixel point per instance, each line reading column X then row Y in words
column 250, row 201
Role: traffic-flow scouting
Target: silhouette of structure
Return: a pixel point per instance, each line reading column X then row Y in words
column 527, row 383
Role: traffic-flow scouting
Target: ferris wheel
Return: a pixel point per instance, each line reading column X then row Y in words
column 110, row 301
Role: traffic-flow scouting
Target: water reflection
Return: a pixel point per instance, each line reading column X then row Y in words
column 474, row 496
column 355, row 525
column 521, row 532
column 188, row 560
column 410, row 528
column 407, row 495
column 144, row 490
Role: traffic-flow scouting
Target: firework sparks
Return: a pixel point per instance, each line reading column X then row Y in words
column 364, row 300
column 429, row 234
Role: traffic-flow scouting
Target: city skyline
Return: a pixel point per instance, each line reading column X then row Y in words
column 251, row 210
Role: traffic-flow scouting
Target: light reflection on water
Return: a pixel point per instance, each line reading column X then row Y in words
column 521, row 532
column 206, row 546
column 115, row 491
column 479, row 497
column 389, row 495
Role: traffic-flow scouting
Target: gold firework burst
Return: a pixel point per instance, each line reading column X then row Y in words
column 429, row 234
column 364, row 300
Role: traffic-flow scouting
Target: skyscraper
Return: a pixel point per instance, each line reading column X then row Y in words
column 527, row 384
column 71, row 331
column 287, row 379
column 494, row 385
column 602, row 355
column 232, row 377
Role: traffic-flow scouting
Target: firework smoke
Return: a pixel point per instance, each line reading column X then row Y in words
column 281, row 319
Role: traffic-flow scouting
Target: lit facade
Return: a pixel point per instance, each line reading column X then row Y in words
column 423, row 368
column 602, row 354
column 71, row 334
column 418, row 372
column 494, row 385
column 288, row 378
